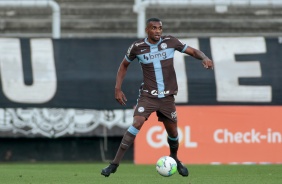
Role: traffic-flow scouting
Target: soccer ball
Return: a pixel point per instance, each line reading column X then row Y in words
column 166, row 166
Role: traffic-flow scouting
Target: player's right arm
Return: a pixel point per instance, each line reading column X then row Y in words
column 130, row 56
column 119, row 95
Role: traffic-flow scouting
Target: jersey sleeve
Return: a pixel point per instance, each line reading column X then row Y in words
column 131, row 54
column 178, row 45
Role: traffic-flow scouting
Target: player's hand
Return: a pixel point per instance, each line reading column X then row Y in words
column 207, row 63
column 120, row 97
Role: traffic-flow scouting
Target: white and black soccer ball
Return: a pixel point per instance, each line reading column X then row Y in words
column 166, row 166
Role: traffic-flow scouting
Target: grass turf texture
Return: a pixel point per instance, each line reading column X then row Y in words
column 84, row 173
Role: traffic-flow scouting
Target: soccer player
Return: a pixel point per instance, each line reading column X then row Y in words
column 155, row 54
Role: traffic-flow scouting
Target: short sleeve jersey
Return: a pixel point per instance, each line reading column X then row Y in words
column 159, row 78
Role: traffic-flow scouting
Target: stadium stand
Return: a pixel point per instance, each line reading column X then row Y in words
column 116, row 18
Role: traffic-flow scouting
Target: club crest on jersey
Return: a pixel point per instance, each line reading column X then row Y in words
column 163, row 45
column 141, row 109
column 174, row 115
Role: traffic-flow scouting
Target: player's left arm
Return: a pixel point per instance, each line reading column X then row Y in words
column 207, row 62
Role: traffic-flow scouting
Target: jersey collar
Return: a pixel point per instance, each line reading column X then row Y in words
column 150, row 44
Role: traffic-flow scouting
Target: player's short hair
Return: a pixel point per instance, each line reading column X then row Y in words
column 152, row 20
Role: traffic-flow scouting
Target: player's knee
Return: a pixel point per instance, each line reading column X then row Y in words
column 138, row 123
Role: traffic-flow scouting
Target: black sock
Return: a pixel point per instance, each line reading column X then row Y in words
column 173, row 147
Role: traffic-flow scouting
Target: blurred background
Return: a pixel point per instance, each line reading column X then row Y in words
column 188, row 18
column 58, row 65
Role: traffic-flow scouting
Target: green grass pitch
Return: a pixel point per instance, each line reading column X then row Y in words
column 84, row 173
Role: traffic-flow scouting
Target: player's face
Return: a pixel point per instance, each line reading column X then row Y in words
column 154, row 31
